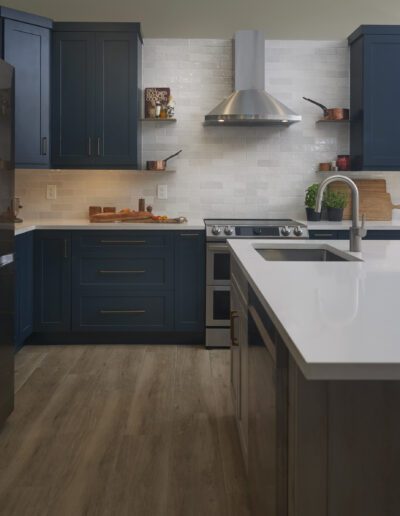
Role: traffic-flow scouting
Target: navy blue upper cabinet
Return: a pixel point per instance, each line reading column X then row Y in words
column 374, row 92
column 26, row 45
column 189, row 280
column 96, row 95
column 52, row 269
column 73, row 99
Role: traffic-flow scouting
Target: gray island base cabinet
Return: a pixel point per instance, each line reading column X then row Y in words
column 315, row 448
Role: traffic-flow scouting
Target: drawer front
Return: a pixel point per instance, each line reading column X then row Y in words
column 150, row 272
column 323, row 235
column 143, row 312
column 104, row 242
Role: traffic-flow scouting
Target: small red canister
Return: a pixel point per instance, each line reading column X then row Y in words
column 343, row 162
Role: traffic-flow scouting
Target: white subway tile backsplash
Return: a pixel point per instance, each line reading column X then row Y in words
column 223, row 171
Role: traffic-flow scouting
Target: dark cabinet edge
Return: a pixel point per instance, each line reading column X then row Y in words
column 21, row 16
column 98, row 27
column 373, row 30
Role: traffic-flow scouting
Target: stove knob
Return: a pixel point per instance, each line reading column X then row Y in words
column 228, row 230
column 285, row 231
column 216, row 230
column 298, row 231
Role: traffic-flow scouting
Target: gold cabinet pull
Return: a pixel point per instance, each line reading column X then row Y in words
column 111, row 312
column 123, row 241
column 122, row 272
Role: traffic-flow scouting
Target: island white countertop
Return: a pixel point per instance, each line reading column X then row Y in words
column 339, row 320
column 83, row 224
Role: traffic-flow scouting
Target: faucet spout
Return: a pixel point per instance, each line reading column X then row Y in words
column 357, row 230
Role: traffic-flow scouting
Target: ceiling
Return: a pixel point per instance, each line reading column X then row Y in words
column 280, row 19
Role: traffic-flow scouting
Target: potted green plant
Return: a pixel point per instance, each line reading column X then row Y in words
column 311, row 195
column 335, row 203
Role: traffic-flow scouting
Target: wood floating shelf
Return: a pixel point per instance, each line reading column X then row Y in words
column 323, row 121
column 145, row 171
column 158, row 120
column 341, row 172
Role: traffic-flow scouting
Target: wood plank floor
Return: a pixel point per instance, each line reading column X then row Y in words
column 122, row 430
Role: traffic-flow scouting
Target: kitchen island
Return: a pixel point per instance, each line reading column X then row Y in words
column 321, row 357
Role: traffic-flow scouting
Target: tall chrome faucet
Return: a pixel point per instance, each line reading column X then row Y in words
column 357, row 230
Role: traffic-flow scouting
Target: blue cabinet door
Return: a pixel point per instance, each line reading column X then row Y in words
column 96, row 95
column 52, row 269
column 189, row 280
column 381, row 106
column 24, row 288
column 73, row 141
column 117, row 98
column 374, row 90
column 27, row 48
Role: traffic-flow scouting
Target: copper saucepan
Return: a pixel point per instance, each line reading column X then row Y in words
column 160, row 165
column 331, row 113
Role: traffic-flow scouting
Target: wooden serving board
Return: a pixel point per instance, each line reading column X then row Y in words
column 373, row 202
column 138, row 221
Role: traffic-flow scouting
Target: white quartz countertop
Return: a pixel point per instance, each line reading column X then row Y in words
column 345, row 224
column 339, row 320
column 65, row 224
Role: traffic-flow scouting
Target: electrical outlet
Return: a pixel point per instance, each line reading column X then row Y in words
column 51, row 192
column 162, row 192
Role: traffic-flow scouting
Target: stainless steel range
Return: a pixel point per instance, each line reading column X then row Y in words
column 218, row 265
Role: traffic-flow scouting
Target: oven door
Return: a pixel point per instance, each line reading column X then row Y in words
column 218, row 306
column 218, row 264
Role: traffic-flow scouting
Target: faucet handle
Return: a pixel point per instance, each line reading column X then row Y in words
column 363, row 229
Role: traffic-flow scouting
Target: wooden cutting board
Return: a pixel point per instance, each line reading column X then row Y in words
column 375, row 202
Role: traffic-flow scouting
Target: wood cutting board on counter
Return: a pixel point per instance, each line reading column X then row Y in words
column 375, row 201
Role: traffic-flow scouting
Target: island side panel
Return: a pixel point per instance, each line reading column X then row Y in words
column 307, row 445
column 364, row 448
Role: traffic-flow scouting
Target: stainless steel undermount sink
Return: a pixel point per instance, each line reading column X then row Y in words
column 296, row 254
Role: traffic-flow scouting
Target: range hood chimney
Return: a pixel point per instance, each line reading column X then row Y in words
column 250, row 104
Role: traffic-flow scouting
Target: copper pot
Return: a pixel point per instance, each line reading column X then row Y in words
column 160, row 165
column 331, row 113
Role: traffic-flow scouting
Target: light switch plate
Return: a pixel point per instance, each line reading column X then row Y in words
column 51, row 192
column 162, row 192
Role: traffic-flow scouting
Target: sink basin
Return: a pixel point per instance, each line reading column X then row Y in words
column 294, row 254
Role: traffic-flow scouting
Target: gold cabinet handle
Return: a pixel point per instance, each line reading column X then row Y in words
column 122, row 272
column 234, row 315
column 122, row 241
column 111, row 312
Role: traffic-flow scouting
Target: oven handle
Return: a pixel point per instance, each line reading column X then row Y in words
column 217, row 247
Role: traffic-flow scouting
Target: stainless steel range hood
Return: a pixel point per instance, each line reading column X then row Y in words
column 250, row 104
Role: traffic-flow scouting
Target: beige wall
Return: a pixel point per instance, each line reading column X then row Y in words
column 281, row 19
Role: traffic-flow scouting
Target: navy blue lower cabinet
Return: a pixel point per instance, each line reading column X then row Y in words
column 376, row 234
column 323, row 234
column 52, row 268
column 24, row 288
column 343, row 234
column 117, row 310
column 189, row 280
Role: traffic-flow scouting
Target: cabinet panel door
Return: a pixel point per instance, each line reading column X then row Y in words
column 73, row 141
column 381, row 109
column 24, row 287
column 116, row 98
column 52, row 267
column 189, row 281
column 27, row 48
